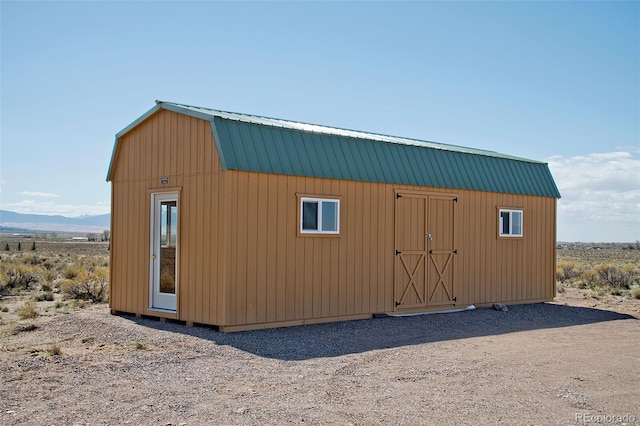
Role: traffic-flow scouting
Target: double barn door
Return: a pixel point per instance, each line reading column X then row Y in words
column 425, row 250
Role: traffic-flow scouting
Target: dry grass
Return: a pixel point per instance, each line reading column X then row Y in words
column 599, row 272
column 28, row 310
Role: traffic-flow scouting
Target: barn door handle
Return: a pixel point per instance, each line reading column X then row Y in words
column 153, row 257
column 428, row 235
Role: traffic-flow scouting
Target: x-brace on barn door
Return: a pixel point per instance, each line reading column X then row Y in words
column 425, row 251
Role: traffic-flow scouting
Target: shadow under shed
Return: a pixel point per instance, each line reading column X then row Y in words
column 348, row 337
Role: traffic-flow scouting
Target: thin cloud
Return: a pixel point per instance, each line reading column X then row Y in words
column 39, row 194
column 600, row 196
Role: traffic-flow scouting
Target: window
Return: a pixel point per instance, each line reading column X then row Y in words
column 510, row 223
column 319, row 216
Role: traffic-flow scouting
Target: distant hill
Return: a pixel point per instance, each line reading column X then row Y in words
column 54, row 223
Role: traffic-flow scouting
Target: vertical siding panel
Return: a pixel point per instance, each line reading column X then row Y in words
column 366, row 246
column 241, row 249
column 496, row 248
column 190, row 242
column 208, row 262
column 475, row 247
column 141, row 247
column 185, row 252
column 273, row 252
column 187, row 165
column 378, row 231
column 283, row 262
column 389, row 252
column 460, row 266
column 132, row 204
column 350, row 234
column 200, row 128
column 530, row 222
column 358, row 248
column 179, row 159
column 374, row 245
column 208, row 148
column 294, row 249
column 472, row 246
column 172, row 151
column 543, row 258
column 120, row 244
column 198, row 255
column 231, row 185
column 131, row 154
column 223, row 247
column 117, row 246
column 252, row 210
column 263, row 254
column 343, row 267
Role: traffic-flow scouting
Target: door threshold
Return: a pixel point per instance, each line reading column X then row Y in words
column 166, row 311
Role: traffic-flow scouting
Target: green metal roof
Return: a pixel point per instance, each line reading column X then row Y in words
column 267, row 145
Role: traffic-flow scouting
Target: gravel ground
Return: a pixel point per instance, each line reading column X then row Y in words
column 535, row 364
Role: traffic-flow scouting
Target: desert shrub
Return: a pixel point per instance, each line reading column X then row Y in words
column 559, row 288
column 92, row 286
column 45, row 295
column 72, row 272
column 616, row 277
column 76, row 304
column 54, row 350
column 635, row 292
column 567, row 272
column 28, row 310
column 19, row 275
column 32, row 260
column 142, row 346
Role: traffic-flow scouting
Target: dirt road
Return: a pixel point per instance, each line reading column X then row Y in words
column 535, row 364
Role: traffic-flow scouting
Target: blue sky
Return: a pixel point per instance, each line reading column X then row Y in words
column 552, row 81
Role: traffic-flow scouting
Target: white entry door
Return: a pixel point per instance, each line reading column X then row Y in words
column 164, row 251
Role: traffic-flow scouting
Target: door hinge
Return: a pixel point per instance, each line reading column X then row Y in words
column 398, row 303
column 455, row 251
column 430, row 251
column 455, row 199
column 398, row 196
column 398, row 252
column 455, row 299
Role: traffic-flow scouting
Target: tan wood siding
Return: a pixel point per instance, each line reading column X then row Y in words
column 180, row 148
column 278, row 275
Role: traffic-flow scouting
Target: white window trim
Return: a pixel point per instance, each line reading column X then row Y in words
column 510, row 234
column 319, row 201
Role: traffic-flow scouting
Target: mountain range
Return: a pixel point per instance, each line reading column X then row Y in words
column 54, row 223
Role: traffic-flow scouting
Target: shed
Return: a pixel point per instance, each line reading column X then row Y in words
column 246, row 222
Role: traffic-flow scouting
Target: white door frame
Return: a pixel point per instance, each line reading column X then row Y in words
column 166, row 302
